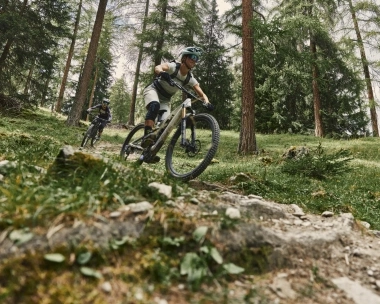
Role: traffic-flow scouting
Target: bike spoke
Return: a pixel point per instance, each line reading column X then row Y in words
column 131, row 149
column 189, row 160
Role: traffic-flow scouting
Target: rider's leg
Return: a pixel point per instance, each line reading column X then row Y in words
column 100, row 131
column 150, row 117
column 153, row 108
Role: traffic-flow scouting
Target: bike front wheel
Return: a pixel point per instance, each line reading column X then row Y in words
column 188, row 160
column 131, row 149
column 87, row 136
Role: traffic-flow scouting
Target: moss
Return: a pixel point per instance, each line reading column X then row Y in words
column 253, row 260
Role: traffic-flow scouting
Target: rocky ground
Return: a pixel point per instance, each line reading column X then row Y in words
column 327, row 258
column 324, row 258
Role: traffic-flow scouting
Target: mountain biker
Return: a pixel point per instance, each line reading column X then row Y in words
column 104, row 113
column 158, row 94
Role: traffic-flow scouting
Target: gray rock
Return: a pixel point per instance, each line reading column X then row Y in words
column 356, row 291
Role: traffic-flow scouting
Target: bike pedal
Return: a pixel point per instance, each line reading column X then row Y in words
column 153, row 160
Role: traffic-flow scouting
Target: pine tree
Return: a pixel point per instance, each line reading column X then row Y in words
column 120, row 100
column 28, row 44
column 80, row 97
column 213, row 71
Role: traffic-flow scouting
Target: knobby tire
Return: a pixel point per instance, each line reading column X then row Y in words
column 184, row 164
column 87, row 136
column 134, row 137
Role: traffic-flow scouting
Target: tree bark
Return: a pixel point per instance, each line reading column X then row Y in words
column 371, row 99
column 92, row 92
column 316, row 96
column 28, row 79
column 80, row 96
column 160, row 41
column 131, row 120
column 247, row 144
column 58, row 106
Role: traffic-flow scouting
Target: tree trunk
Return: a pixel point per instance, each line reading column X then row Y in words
column 247, row 144
column 58, row 106
column 131, row 120
column 28, row 80
column 371, row 99
column 92, row 92
column 318, row 128
column 80, row 96
column 316, row 96
column 160, row 41
column 46, row 87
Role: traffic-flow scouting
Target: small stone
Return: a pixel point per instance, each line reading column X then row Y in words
column 115, row 214
column 298, row 222
column 233, row 213
column 163, row 189
column 140, row 207
column 327, row 214
column 160, row 301
column 255, row 196
column 106, row 287
column 365, row 224
column 181, row 286
column 170, row 203
column 194, row 201
column 297, row 210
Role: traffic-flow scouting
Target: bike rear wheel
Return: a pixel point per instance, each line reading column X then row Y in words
column 131, row 149
column 189, row 161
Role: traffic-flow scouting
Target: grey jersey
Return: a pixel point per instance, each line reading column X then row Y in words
column 179, row 79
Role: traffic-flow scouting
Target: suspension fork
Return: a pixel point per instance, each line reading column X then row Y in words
column 185, row 117
column 183, row 126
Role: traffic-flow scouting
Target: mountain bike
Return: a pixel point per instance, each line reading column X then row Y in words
column 92, row 132
column 192, row 147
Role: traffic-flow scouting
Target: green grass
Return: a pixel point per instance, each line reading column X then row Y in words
column 36, row 194
column 34, row 139
column 356, row 191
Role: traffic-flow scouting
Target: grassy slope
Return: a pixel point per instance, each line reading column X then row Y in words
column 27, row 201
column 37, row 138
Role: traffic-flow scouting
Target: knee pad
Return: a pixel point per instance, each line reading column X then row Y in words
column 153, row 109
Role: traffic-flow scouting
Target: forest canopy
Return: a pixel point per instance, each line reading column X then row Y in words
column 312, row 70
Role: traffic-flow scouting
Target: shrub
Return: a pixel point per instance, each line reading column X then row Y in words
column 317, row 164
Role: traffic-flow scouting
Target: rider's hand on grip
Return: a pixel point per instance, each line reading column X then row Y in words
column 165, row 75
column 208, row 106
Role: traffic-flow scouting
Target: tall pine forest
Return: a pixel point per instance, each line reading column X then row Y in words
column 314, row 68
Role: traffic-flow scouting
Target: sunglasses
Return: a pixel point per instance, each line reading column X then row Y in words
column 193, row 57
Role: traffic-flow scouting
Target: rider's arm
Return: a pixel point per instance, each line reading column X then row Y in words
column 164, row 67
column 200, row 93
column 92, row 108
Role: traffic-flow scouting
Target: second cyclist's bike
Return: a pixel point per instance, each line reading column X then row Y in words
column 193, row 144
column 91, row 135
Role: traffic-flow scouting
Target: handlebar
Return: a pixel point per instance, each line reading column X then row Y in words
column 189, row 94
column 97, row 117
